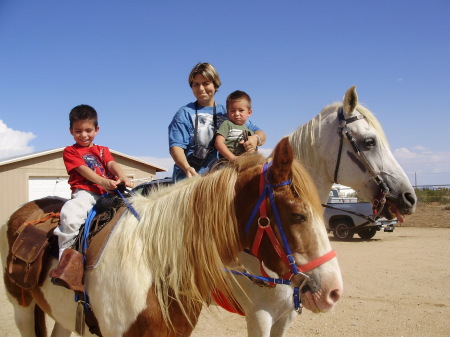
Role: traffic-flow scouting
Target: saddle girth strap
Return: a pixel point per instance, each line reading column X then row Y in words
column 89, row 316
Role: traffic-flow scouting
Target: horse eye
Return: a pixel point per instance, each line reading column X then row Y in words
column 298, row 218
column 369, row 142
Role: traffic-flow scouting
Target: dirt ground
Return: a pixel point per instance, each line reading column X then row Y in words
column 396, row 284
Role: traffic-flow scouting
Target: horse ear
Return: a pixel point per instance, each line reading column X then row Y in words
column 350, row 100
column 281, row 167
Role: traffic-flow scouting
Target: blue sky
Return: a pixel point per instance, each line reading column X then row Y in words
column 130, row 60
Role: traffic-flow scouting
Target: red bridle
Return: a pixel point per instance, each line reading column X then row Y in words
column 266, row 192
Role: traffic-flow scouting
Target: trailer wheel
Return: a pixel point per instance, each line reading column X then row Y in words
column 343, row 230
column 367, row 233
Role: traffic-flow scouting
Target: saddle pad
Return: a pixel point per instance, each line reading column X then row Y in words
column 99, row 241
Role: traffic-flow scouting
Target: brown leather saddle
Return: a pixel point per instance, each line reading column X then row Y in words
column 32, row 245
column 34, row 242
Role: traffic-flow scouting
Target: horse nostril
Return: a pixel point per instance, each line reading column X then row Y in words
column 335, row 295
column 410, row 199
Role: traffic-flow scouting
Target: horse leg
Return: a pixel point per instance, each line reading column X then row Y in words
column 59, row 331
column 281, row 326
column 25, row 321
column 29, row 318
column 259, row 323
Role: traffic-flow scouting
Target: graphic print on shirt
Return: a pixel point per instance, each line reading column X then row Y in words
column 205, row 131
column 235, row 135
column 97, row 166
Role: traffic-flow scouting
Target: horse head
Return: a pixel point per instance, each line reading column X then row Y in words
column 376, row 161
column 285, row 229
column 345, row 144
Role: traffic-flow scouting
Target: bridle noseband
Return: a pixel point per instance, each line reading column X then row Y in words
column 380, row 200
column 296, row 277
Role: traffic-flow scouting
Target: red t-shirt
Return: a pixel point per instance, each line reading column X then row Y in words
column 95, row 157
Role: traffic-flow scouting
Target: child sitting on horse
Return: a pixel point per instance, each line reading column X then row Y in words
column 92, row 173
column 232, row 133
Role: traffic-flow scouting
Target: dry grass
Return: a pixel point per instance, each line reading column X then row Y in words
column 429, row 215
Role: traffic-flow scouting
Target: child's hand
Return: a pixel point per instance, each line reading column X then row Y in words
column 109, row 185
column 128, row 183
column 251, row 144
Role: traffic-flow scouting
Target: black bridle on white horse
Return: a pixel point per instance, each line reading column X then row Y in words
column 344, row 130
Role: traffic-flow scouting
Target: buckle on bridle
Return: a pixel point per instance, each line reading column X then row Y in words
column 261, row 224
column 299, row 280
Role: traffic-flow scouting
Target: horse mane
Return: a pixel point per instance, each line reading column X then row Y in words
column 306, row 134
column 186, row 234
column 305, row 188
column 189, row 231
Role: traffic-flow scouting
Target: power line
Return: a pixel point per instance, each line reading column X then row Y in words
column 413, row 173
column 429, row 163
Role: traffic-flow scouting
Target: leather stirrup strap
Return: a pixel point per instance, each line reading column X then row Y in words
column 89, row 316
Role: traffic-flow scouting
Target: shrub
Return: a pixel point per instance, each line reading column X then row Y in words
column 441, row 196
column 425, row 195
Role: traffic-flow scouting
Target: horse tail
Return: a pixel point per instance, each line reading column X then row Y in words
column 39, row 322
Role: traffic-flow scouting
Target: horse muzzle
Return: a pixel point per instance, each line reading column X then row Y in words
column 398, row 207
column 305, row 282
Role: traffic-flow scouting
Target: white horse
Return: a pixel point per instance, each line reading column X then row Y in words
column 269, row 311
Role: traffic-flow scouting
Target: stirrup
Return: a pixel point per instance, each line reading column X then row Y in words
column 70, row 270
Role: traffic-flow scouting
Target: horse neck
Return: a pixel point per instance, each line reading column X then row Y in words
column 321, row 180
column 304, row 141
column 185, row 236
column 323, row 189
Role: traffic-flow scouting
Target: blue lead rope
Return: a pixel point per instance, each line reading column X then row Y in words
column 132, row 210
column 91, row 215
column 87, row 226
column 261, row 278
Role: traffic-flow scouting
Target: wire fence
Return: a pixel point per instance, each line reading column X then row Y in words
column 432, row 187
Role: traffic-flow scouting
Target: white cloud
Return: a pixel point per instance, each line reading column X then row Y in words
column 14, row 142
column 424, row 166
column 421, row 156
column 265, row 152
column 404, row 155
column 420, row 148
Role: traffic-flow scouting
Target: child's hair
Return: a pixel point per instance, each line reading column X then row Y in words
column 81, row 113
column 207, row 71
column 237, row 96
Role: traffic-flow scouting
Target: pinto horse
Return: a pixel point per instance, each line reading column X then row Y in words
column 326, row 147
column 156, row 272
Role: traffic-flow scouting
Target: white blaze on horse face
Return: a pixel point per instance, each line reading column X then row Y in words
column 328, row 274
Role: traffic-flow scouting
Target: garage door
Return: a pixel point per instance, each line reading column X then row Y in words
column 39, row 187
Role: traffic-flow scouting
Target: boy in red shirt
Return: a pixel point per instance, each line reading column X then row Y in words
column 92, row 172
